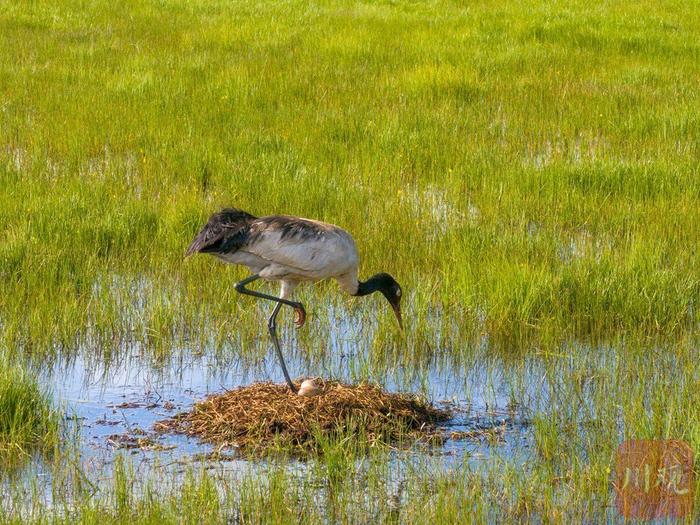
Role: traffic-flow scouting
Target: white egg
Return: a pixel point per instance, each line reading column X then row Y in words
column 309, row 388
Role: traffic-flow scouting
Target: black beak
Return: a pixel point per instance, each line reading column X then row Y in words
column 397, row 310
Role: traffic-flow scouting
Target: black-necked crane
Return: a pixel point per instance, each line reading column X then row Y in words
column 289, row 250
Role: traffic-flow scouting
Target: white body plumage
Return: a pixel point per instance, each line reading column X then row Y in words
column 326, row 252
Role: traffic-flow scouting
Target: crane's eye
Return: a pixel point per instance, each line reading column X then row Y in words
column 398, row 292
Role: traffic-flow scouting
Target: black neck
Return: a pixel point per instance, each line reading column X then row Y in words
column 371, row 285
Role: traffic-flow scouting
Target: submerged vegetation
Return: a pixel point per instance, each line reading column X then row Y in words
column 527, row 170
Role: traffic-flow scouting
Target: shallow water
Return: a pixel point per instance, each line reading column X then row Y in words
column 133, row 394
column 122, row 399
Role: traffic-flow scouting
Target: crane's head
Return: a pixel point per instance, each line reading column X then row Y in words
column 385, row 283
column 392, row 291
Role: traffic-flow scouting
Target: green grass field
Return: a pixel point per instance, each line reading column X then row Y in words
column 527, row 170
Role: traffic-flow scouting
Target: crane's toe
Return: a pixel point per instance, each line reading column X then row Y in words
column 299, row 315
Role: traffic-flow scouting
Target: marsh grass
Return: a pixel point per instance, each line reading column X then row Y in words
column 577, row 404
column 29, row 421
column 528, row 171
column 522, row 169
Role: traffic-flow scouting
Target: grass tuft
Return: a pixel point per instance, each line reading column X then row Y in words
column 28, row 419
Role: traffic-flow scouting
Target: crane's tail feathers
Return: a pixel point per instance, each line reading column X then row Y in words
column 225, row 232
column 199, row 244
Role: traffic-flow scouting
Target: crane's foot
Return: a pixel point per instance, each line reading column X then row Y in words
column 299, row 315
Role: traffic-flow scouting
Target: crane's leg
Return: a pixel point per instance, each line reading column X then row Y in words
column 272, row 322
column 272, row 327
column 299, row 311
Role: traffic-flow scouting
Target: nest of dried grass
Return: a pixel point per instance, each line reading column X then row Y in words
column 265, row 416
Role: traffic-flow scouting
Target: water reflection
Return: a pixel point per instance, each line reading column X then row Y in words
column 127, row 395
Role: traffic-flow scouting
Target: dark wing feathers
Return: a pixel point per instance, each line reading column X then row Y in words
column 225, row 232
column 290, row 227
